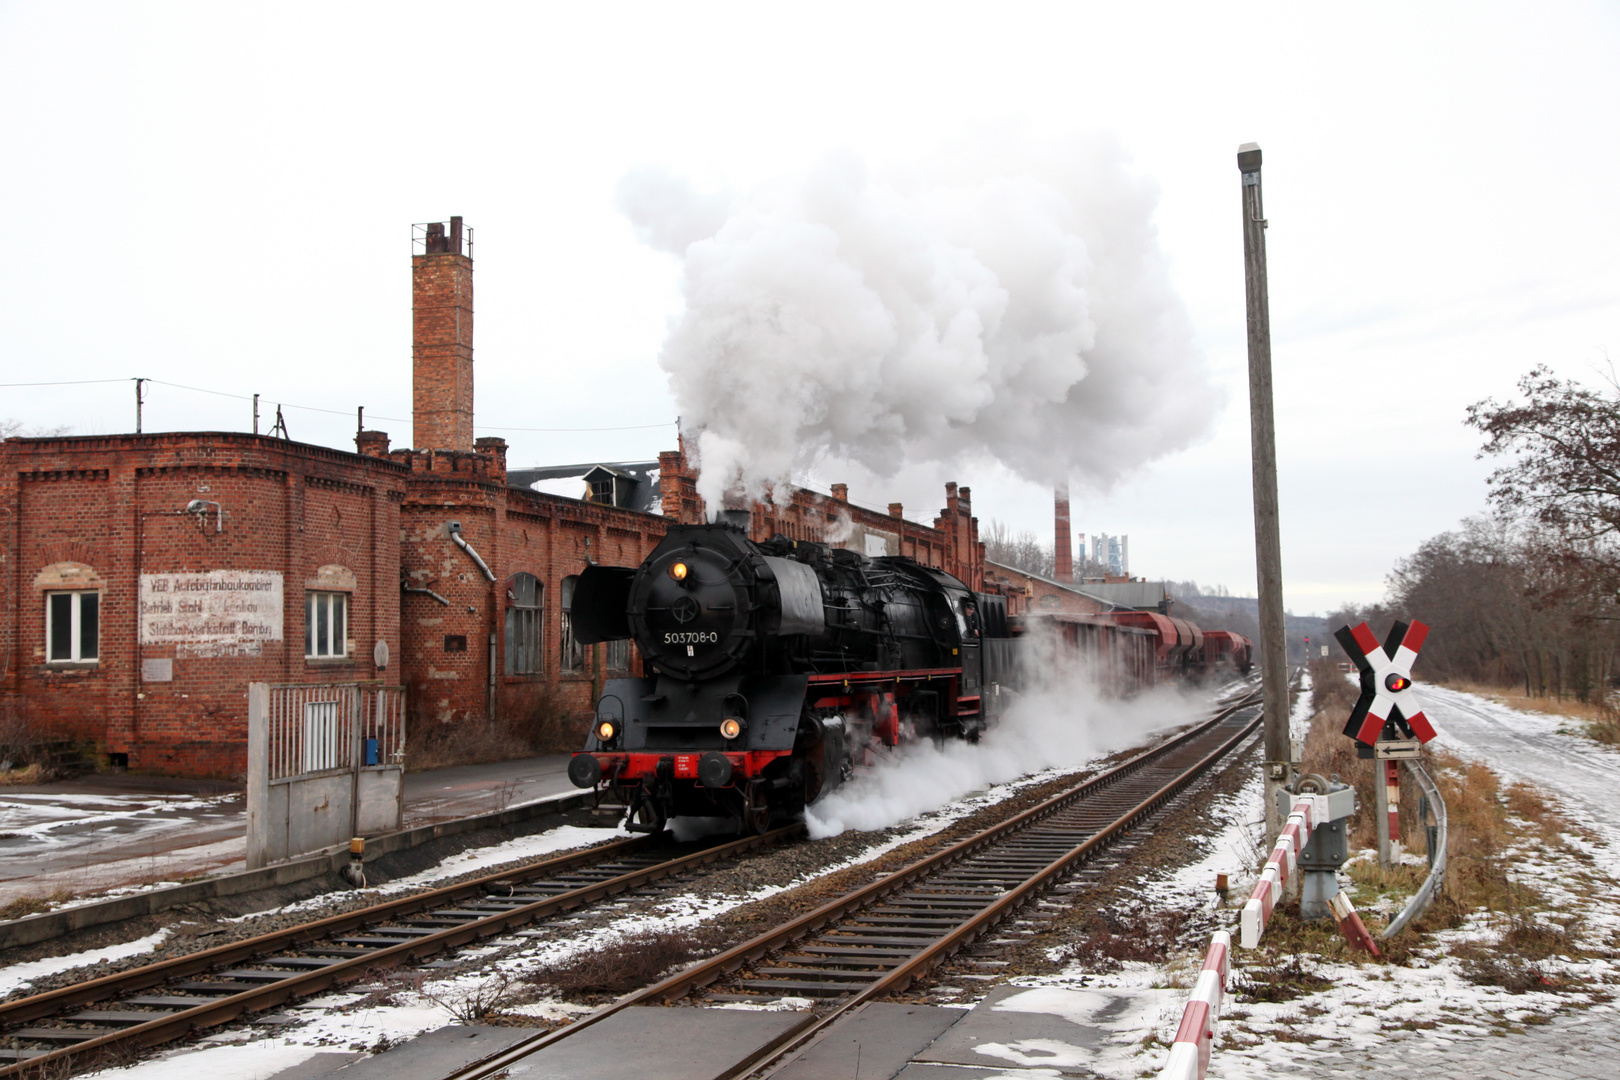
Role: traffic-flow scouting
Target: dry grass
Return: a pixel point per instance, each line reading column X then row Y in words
column 439, row 746
column 536, row 725
column 33, row 773
column 1516, row 698
column 627, row 964
column 1283, row 981
column 21, row 906
column 1109, row 940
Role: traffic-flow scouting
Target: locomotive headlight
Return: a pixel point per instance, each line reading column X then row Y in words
column 606, row 731
column 678, row 571
column 730, row 727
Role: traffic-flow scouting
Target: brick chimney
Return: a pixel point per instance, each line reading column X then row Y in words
column 442, row 338
column 1063, row 554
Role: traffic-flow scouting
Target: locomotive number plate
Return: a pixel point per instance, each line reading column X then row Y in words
column 691, row 637
column 686, row 766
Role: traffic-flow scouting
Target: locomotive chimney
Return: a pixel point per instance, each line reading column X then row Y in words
column 1063, row 557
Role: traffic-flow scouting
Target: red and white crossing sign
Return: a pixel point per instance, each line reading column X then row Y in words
column 1386, row 681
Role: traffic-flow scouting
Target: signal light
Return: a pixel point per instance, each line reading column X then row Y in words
column 678, row 571
column 730, row 727
column 606, row 730
column 1396, row 683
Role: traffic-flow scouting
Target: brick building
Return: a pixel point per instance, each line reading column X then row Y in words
column 145, row 580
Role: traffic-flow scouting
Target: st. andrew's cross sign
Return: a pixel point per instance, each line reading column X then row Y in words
column 1386, row 681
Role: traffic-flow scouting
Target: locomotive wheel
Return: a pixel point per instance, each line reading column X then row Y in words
column 756, row 810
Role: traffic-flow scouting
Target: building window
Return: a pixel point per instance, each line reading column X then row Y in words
column 523, row 625
column 616, row 655
column 73, row 627
column 325, row 621
column 573, row 654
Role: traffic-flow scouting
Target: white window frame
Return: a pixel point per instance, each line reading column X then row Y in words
column 334, row 628
column 616, row 656
column 75, row 626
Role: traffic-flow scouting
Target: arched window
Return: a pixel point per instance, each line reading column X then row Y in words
column 573, row 653
column 524, row 625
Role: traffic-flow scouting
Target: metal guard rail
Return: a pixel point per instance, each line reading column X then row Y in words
column 1437, row 872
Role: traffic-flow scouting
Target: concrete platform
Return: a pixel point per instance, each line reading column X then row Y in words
column 874, row 1044
column 650, row 1041
column 1017, row 1028
column 429, row 1056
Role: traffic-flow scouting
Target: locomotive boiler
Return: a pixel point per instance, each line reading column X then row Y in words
column 773, row 669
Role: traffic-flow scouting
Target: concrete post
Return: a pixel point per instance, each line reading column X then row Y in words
column 258, row 774
column 1267, row 538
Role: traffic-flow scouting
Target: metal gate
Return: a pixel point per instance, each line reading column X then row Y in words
column 325, row 763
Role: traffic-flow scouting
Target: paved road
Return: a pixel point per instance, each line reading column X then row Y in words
column 104, row 831
column 1583, row 1046
column 1526, row 746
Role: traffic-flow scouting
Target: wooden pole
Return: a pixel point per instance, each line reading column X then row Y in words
column 1267, row 538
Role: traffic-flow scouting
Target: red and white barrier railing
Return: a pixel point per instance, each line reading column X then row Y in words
column 1308, row 810
column 1189, row 1054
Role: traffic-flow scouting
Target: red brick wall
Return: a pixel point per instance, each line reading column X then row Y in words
column 514, row 531
column 110, row 505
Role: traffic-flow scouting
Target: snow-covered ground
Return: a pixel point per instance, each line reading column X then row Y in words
column 66, row 841
column 1368, row 1015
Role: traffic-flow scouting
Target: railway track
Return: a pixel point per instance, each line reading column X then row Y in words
column 167, row 1000
column 876, row 940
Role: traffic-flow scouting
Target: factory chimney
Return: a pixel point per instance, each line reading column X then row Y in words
column 1063, row 557
column 442, row 337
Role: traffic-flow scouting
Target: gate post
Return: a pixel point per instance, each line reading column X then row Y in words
column 356, row 710
column 258, row 774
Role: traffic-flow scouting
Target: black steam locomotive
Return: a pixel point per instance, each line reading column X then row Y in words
column 776, row 668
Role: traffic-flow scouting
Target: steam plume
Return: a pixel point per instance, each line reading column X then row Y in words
column 987, row 304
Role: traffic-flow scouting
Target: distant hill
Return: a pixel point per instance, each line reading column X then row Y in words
column 1241, row 614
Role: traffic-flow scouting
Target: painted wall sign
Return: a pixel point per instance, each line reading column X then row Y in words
column 217, row 613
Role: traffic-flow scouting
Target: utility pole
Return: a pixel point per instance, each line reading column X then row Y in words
column 138, row 383
column 1267, row 534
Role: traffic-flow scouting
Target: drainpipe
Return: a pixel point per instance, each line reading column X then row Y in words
column 455, row 535
column 11, row 587
column 423, row 592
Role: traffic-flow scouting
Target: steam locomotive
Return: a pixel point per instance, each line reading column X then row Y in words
column 775, row 668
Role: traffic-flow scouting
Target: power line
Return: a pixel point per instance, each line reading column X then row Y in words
column 68, row 382
column 629, row 427
column 343, row 412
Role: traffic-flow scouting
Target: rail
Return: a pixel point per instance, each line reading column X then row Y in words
column 1003, row 904
column 238, row 992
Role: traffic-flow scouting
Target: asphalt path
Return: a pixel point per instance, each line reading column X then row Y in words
column 106, row 831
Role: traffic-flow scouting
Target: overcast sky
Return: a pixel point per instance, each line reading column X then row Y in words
column 220, row 196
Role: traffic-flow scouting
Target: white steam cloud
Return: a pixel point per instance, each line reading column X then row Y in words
column 987, row 304
column 1062, row 726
